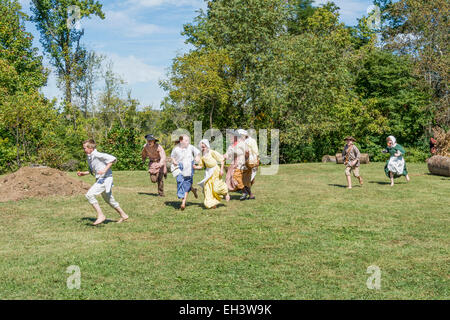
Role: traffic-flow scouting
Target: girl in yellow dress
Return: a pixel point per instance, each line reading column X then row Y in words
column 214, row 188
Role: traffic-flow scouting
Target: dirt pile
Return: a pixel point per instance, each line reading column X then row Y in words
column 39, row 182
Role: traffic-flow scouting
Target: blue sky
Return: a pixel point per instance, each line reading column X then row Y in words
column 141, row 37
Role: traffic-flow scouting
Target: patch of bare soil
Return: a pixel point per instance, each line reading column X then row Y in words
column 39, row 182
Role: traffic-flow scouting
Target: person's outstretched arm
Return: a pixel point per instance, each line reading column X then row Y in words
column 144, row 154
column 162, row 155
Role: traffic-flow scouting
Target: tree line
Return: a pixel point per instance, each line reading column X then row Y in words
column 261, row 64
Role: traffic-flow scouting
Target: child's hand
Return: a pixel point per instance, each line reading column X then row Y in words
column 79, row 173
column 398, row 154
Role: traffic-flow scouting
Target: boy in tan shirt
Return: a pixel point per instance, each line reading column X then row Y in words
column 157, row 162
column 351, row 157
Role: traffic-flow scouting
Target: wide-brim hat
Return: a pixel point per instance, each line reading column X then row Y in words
column 233, row 133
column 350, row 138
column 242, row 132
column 151, row 137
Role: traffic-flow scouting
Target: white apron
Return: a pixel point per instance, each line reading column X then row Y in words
column 396, row 165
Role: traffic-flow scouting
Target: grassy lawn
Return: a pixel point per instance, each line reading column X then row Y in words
column 305, row 237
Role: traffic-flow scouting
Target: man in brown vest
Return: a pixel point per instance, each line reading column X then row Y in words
column 157, row 165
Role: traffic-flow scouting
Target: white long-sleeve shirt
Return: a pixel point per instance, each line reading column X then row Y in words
column 97, row 161
column 252, row 148
column 185, row 156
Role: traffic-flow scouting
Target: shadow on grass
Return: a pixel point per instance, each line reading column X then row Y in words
column 437, row 175
column 148, row 194
column 235, row 197
column 337, row 185
column 380, row 182
column 92, row 220
column 177, row 204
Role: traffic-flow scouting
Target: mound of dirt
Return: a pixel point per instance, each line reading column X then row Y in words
column 39, row 182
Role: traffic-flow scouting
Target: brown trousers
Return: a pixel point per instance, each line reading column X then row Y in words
column 159, row 179
column 242, row 178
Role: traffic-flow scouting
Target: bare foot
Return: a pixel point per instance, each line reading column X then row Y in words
column 361, row 181
column 349, row 187
column 123, row 219
column 407, row 178
column 183, row 205
column 215, row 207
column 99, row 220
column 227, row 197
column 392, row 184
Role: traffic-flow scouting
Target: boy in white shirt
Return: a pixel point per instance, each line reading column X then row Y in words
column 183, row 156
column 100, row 166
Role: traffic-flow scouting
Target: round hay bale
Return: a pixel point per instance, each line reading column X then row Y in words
column 364, row 159
column 328, row 158
column 339, row 158
column 439, row 165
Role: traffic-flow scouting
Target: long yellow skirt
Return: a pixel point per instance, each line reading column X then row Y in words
column 214, row 189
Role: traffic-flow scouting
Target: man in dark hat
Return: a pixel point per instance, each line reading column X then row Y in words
column 351, row 156
column 157, row 164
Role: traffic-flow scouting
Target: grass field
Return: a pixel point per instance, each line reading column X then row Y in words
column 305, row 237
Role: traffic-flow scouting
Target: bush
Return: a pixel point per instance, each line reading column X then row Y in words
column 126, row 145
column 7, row 156
column 416, row 155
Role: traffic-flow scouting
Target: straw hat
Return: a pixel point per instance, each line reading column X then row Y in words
column 350, row 138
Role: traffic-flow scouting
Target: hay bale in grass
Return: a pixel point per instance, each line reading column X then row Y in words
column 439, row 165
column 328, row 158
column 364, row 159
column 339, row 158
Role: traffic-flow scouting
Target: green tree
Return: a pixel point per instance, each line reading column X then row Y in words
column 245, row 29
column 112, row 106
column 420, row 29
column 389, row 79
column 200, row 84
column 61, row 42
column 87, row 80
column 23, row 110
column 299, row 12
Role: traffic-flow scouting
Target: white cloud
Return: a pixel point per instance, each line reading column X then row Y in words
column 25, row 4
column 350, row 10
column 156, row 3
column 124, row 24
column 133, row 70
